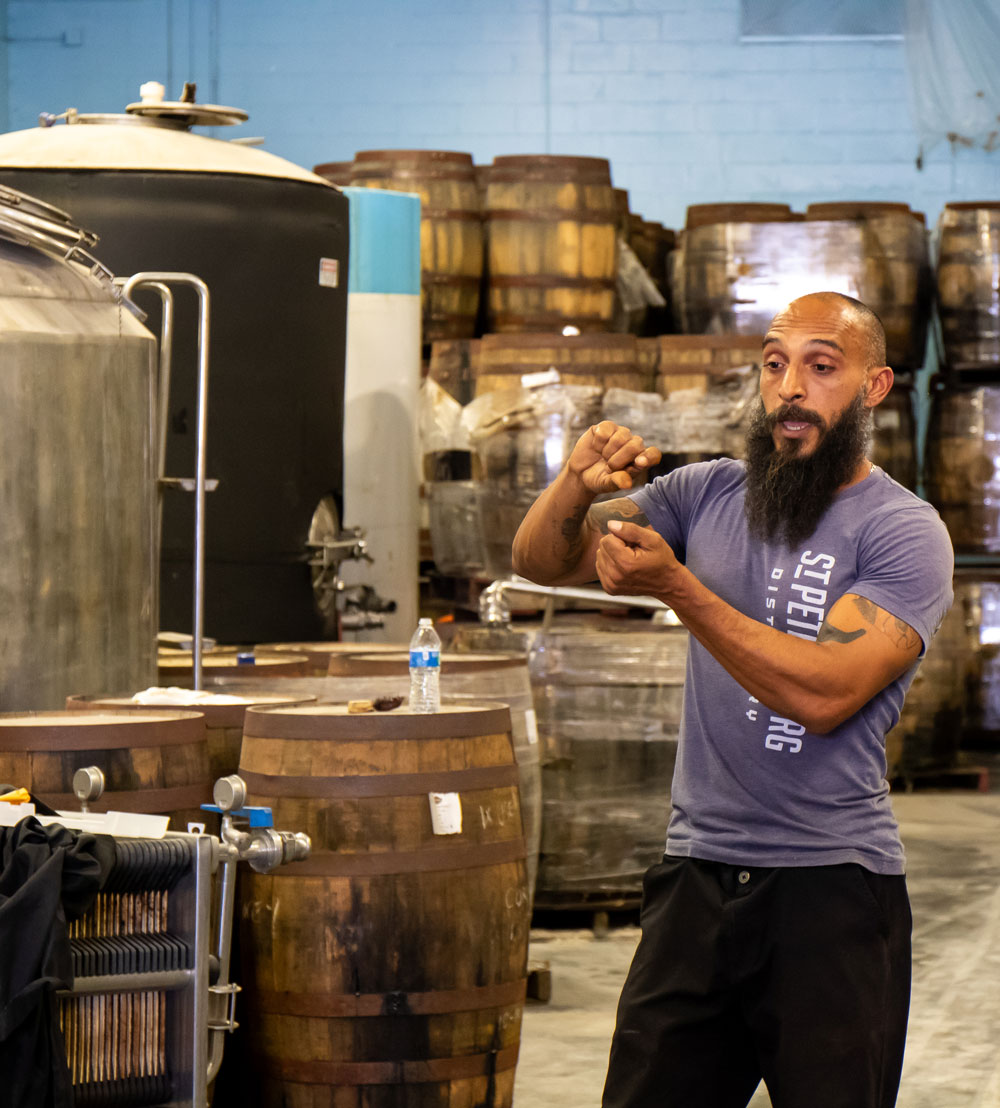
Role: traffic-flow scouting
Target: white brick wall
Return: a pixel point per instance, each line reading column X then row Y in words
column 664, row 88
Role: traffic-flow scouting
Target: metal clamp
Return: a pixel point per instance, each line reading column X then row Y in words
column 228, row 1021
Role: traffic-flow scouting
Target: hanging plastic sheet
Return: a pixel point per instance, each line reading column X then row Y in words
column 951, row 52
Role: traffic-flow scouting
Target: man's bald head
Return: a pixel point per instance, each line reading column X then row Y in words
column 868, row 323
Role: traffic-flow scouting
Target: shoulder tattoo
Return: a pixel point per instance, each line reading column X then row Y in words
column 624, row 509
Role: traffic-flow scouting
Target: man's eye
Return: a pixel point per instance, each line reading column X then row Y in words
column 823, row 367
column 773, row 365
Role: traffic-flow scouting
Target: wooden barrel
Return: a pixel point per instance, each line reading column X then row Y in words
column 176, row 667
column 223, row 714
column 894, row 440
column 451, row 230
column 551, row 254
column 701, row 215
column 694, row 361
column 454, row 366
column 453, row 513
column 737, row 276
column 962, row 464
column 389, row 967
column 500, row 678
column 154, row 761
column 602, row 361
column 520, row 451
column 968, row 275
column 337, row 173
column 933, row 717
column 977, row 590
column 608, row 704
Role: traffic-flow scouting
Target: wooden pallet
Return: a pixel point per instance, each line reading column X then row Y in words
column 952, row 777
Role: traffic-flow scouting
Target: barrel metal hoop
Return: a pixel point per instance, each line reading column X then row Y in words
column 430, row 277
column 468, row 721
column 140, row 800
column 463, row 215
column 404, row 1072
column 592, row 369
column 450, row 857
column 550, row 281
column 389, row 784
column 439, row 1002
column 552, row 215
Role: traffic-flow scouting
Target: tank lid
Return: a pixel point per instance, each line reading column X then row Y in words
column 154, row 136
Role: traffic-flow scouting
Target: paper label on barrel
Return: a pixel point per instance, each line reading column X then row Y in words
column 329, row 272
column 549, row 376
column 531, row 726
column 446, row 813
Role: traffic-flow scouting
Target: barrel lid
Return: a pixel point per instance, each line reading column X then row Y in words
column 334, row 722
column 99, row 730
column 219, row 709
column 550, row 167
column 182, row 662
column 452, row 158
column 699, row 215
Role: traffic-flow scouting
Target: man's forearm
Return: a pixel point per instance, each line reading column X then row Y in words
column 801, row 680
column 552, row 541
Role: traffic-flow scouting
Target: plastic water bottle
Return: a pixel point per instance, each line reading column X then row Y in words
column 425, row 668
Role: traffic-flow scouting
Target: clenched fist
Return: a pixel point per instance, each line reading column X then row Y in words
column 608, row 457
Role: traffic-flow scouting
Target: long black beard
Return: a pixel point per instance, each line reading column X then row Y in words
column 787, row 495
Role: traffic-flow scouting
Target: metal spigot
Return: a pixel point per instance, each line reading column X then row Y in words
column 262, row 846
column 88, row 785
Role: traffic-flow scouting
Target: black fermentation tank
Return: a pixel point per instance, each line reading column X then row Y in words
column 271, row 242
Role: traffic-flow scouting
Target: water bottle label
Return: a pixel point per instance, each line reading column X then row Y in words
column 425, row 659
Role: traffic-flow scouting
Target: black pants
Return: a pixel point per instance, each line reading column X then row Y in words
column 797, row 976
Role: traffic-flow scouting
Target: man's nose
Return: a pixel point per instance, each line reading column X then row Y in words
column 792, row 385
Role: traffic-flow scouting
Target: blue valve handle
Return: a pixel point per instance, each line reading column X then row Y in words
column 258, row 817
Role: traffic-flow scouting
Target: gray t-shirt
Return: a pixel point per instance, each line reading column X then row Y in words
column 751, row 787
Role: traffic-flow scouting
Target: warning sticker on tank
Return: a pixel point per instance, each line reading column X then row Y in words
column 446, row 813
column 329, row 272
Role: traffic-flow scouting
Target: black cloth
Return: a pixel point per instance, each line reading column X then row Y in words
column 48, row 876
column 799, row 976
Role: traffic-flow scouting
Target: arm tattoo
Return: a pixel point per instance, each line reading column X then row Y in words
column 829, row 633
column 570, row 529
column 901, row 633
column 623, row 508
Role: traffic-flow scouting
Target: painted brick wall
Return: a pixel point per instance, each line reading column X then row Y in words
column 663, row 88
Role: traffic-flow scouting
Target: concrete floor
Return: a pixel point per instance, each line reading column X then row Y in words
column 953, row 1048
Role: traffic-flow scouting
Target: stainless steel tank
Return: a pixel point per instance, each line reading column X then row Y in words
column 77, row 494
column 271, row 241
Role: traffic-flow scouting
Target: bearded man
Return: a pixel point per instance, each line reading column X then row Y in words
column 776, row 931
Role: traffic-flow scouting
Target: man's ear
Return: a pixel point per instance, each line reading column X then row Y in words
column 879, row 383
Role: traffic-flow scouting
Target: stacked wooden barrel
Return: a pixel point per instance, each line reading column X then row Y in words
column 451, row 231
column 550, row 231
